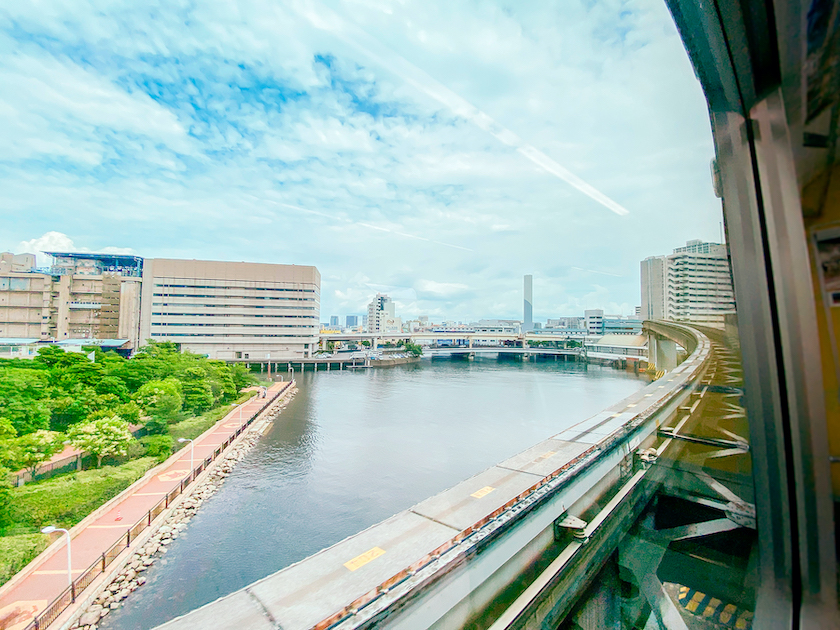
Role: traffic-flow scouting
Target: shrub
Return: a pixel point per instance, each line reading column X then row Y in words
column 158, row 446
column 17, row 551
column 67, row 499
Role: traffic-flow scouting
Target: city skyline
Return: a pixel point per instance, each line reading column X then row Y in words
column 568, row 141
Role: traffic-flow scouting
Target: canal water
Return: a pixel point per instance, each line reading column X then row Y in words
column 353, row 448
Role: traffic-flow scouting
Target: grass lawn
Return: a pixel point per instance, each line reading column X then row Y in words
column 66, row 499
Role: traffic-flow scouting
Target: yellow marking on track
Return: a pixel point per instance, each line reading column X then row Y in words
column 648, row 395
column 483, row 492
column 362, row 560
column 631, row 405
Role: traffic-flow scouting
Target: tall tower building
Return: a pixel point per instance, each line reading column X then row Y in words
column 528, row 322
column 653, row 287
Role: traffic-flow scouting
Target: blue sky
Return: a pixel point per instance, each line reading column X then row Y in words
column 437, row 151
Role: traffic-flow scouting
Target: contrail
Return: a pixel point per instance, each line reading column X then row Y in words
column 324, row 19
column 603, row 273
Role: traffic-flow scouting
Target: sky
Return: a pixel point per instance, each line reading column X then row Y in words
column 434, row 151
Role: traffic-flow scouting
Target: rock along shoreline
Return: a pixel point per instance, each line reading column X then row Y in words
column 131, row 576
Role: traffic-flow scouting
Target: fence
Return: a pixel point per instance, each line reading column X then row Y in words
column 69, row 595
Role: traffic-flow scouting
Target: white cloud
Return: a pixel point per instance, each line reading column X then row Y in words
column 242, row 131
column 59, row 242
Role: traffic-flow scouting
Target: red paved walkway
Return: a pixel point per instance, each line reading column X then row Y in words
column 37, row 590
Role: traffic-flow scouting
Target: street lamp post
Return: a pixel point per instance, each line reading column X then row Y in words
column 49, row 529
column 192, row 450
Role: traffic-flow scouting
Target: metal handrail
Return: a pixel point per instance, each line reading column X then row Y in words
column 69, row 595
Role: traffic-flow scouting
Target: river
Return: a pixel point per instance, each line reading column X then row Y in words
column 353, row 448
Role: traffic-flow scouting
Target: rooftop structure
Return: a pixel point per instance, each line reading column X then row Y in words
column 96, row 264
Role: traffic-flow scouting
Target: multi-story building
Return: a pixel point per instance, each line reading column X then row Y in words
column 82, row 296
column 381, row 317
column 694, row 284
column 654, row 276
column 25, row 298
column 594, row 321
column 351, row 321
column 232, row 310
column 334, row 321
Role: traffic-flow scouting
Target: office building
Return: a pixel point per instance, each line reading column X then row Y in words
column 352, row 321
column 232, row 310
column 334, row 321
column 528, row 321
column 694, row 284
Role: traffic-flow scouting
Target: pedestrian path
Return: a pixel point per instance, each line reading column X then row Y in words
column 47, row 579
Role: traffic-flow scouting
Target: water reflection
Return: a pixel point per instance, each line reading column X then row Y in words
column 354, row 448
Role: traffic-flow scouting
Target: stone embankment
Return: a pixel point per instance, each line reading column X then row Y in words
column 131, row 577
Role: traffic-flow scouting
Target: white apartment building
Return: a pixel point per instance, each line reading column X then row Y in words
column 381, row 316
column 232, row 310
column 694, row 284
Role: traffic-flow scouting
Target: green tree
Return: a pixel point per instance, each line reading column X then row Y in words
column 103, row 437
column 30, row 451
column 7, row 443
column 77, row 369
column 413, row 348
column 198, row 396
column 242, row 377
column 72, row 405
column 160, row 399
column 114, row 386
column 5, row 498
column 22, row 399
column 221, row 381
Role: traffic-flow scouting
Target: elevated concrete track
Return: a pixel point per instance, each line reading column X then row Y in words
column 468, row 555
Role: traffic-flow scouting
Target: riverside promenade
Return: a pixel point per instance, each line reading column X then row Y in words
column 30, row 592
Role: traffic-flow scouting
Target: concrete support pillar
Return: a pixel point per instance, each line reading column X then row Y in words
column 471, row 342
column 666, row 354
column 653, row 346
